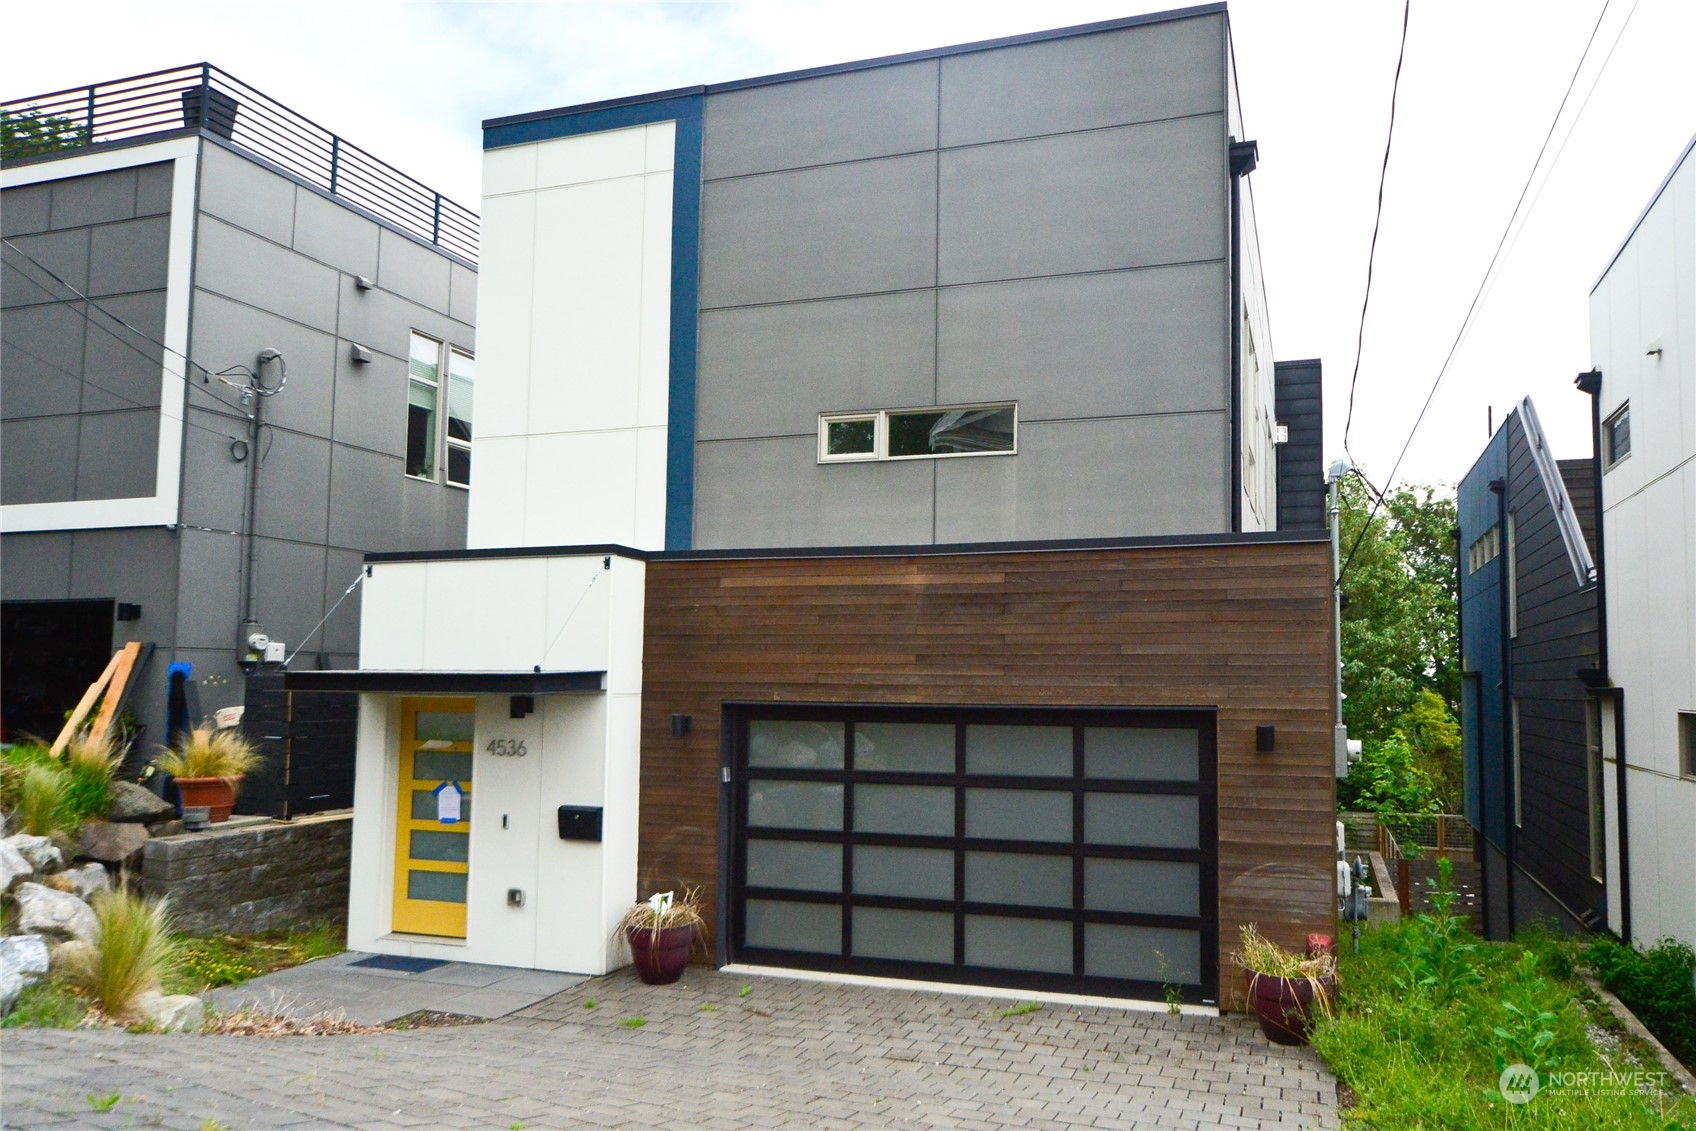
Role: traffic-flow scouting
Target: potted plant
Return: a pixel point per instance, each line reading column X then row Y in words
column 1287, row 990
column 662, row 932
column 208, row 765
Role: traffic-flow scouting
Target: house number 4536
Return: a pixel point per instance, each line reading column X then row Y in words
column 507, row 747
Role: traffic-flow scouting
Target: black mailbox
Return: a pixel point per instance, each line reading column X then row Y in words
column 580, row 822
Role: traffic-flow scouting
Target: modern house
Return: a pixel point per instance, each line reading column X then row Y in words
column 1580, row 674
column 1643, row 398
column 1529, row 644
column 238, row 355
column 876, row 528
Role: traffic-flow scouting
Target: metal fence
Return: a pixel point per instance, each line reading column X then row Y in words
column 1410, row 834
column 205, row 98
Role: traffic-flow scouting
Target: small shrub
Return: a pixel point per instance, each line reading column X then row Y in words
column 208, row 752
column 134, row 952
column 1658, row 985
column 1438, row 960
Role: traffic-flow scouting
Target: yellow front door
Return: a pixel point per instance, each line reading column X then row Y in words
column 432, row 834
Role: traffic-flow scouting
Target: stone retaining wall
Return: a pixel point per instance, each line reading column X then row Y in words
column 258, row 878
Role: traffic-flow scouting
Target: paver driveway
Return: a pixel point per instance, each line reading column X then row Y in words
column 789, row 1053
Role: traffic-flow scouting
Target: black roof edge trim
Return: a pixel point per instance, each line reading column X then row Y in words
column 595, row 549
column 867, row 64
column 446, row 683
column 1051, row 545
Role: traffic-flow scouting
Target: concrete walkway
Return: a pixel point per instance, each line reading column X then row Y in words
column 372, row 989
column 701, row 1054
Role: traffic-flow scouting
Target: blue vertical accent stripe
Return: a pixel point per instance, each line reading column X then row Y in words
column 686, row 111
column 685, row 329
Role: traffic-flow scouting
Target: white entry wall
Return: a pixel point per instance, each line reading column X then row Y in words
column 579, row 749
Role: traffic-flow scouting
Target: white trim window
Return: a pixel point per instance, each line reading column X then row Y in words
column 430, row 447
column 919, row 433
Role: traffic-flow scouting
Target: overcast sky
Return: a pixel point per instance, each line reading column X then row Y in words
column 412, row 82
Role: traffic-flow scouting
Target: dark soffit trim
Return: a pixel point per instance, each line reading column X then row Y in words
column 446, row 683
column 1051, row 545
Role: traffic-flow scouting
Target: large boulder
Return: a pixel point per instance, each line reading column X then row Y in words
column 170, row 1013
column 110, row 843
column 23, row 959
column 13, row 866
column 88, row 879
column 43, row 911
column 42, row 854
column 131, row 802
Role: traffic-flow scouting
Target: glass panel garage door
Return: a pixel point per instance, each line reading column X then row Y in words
column 1058, row 849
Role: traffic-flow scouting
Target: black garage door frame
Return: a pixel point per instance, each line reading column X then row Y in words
column 1195, row 986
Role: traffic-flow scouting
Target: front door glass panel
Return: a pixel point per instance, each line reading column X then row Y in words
column 432, row 834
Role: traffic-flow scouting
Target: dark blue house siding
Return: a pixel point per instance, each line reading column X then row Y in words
column 1547, row 855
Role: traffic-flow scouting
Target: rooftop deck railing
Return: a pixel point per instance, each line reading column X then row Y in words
column 205, row 98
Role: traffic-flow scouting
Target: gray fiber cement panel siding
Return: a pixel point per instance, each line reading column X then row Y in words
column 79, row 403
column 1043, row 223
column 275, row 269
column 881, row 112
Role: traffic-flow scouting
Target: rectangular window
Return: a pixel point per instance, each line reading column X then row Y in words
column 1593, row 778
column 920, row 433
column 1616, row 436
column 462, row 371
column 1687, row 743
column 1518, row 798
column 423, row 386
column 1513, row 580
column 1486, row 548
column 438, row 415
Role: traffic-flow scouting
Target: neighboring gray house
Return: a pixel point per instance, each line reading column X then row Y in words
column 161, row 482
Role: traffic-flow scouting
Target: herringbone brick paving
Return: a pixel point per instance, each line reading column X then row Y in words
column 788, row 1054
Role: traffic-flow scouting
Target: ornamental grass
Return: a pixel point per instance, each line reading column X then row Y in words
column 208, row 752
column 134, row 951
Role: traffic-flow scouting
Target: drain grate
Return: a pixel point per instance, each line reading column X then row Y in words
column 399, row 962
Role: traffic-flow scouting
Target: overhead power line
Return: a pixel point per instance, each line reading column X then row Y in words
column 1377, row 218
column 1478, row 294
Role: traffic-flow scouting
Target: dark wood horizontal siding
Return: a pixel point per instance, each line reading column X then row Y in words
column 1244, row 630
column 1557, row 636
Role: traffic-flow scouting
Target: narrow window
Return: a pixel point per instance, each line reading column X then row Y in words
column 963, row 430
column 422, row 390
column 1512, row 594
column 955, row 431
column 1687, row 743
column 1593, row 763
column 1616, row 436
column 1518, row 801
column 462, row 370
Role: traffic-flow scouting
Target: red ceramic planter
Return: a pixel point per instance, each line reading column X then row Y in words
column 1286, row 1006
column 217, row 794
column 661, row 955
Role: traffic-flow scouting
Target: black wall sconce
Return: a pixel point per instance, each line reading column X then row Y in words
column 128, row 611
column 680, row 726
column 520, row 706
column 1264, row 738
